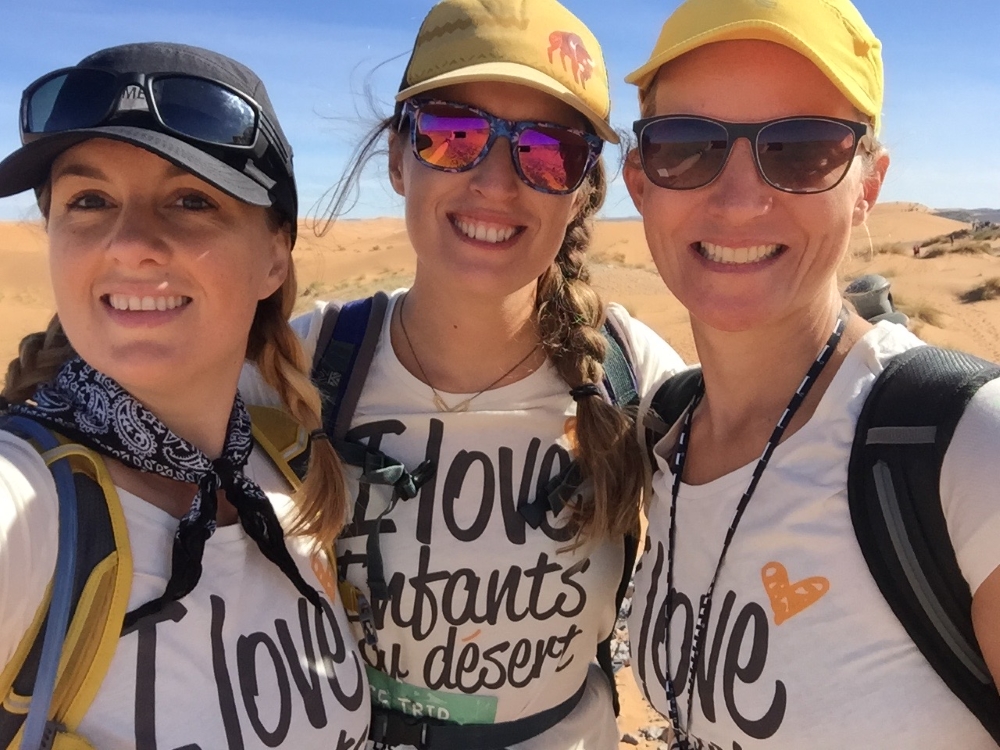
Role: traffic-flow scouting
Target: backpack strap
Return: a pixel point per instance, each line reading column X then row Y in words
column 344, row 353
column 894, row 481
column 66, row 652
column 668, row 404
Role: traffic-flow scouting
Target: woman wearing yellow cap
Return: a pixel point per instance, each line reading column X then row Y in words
column 757, row 621
column 491, row 587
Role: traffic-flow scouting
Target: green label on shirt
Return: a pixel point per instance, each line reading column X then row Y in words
column 434, row 704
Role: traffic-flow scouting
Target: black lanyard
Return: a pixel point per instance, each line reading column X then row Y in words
column 705, row 604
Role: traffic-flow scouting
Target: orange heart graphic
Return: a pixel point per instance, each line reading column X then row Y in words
column 788, row 599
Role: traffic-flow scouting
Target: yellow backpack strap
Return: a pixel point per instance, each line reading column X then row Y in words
column 101, row 590
column 287, row 445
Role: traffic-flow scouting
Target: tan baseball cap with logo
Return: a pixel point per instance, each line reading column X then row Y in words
column 830, row 33
column 534, row 43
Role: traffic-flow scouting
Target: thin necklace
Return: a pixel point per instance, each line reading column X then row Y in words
column 705, row 604
column 439, row 403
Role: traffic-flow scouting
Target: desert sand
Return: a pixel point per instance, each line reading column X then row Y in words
column 357, row 257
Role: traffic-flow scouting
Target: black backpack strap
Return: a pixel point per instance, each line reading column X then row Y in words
column 668, row 404
column 392, row 728
column 894, row 482
column 344, row 353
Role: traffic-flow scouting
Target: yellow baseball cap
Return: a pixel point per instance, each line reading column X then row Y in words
column 830, row 33
column 534, row 43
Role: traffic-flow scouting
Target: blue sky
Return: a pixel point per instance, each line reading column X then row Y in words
column 942, row 114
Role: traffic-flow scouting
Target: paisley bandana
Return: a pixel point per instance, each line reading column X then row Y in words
column 91, row 408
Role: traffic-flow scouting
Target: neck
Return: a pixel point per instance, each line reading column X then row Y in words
column 197, row 412
column 462, row 340
column 750, row 377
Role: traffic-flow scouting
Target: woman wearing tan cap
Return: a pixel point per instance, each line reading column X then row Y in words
column 765, row 615
column 491, row 564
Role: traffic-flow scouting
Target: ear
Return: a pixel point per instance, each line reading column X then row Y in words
column 871, row 186
column 281, row 258
column 635, row 179
column 397, row 152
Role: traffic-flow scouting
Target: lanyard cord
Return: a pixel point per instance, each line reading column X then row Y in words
column 705, row 604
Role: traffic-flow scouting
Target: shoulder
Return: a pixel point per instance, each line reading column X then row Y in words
column 970, row 486
column 653, row 358
column 29, row 528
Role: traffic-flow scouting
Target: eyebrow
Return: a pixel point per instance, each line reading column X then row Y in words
column 76, row 169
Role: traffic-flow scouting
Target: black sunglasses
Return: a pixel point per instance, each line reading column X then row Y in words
column 453, row 137
column 793, row 154
column 193, row 107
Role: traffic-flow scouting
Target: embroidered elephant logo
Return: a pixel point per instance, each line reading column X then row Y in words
column 570, row 47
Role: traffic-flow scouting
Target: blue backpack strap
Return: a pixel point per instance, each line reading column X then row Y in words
column 894, row 479
column 344, row 354
column 62, row 602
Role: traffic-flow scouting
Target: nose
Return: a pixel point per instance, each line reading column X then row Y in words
column 495, row 177
column 135, row 238
column 739, row 194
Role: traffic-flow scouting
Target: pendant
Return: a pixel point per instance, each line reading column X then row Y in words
column 440, row 405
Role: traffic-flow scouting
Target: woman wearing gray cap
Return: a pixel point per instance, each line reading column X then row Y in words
column 789, row 594
column 134, row 517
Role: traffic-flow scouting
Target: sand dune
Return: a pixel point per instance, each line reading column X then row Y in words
column 356, row 257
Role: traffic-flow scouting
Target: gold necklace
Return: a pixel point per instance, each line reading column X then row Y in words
column 439, row 403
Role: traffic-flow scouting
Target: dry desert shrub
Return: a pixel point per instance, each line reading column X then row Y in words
column 962, row 248
column 989, row 289
column 919, row 310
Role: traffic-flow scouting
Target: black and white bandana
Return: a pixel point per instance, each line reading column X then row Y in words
column 89, row 407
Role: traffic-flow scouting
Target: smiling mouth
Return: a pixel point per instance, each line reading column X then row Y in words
column 738, row 256
column 145, row 304
column 485, row 231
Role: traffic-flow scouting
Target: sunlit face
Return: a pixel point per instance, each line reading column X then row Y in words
column 446, row 212
column 130, row 230
column 798, row 240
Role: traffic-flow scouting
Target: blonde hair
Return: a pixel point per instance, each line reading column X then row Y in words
column 570, row 318
column 321, row 501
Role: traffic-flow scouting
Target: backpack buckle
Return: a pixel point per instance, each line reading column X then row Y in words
column 366, row 616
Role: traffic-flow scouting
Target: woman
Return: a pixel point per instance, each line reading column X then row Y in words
column 756, row 158
column 494, row 146
column 169, row 201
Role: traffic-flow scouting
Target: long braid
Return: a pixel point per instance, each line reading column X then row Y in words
column 570, row 316
column 40, row 357
column 273, row 346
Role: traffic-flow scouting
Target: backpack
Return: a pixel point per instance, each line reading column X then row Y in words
column 63, row 657
column 893, row 490
column 344, row 353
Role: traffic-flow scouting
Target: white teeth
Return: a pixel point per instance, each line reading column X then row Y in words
column 737, row 255
column 485, row 233
column 125, row 302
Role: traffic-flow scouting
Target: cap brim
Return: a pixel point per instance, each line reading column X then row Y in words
column 507, row 72
column 765, row 31
column 29, row 166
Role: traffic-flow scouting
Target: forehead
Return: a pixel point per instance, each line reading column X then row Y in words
column 512, row 101
column 745, row 81
column 106, row 158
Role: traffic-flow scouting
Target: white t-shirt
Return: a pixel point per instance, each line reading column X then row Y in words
column 827, row 665
column 483, row 609
column 243, row 661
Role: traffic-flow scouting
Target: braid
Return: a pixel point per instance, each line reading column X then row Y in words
column 570, row 317
column 274, row 347
column 40, row 357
